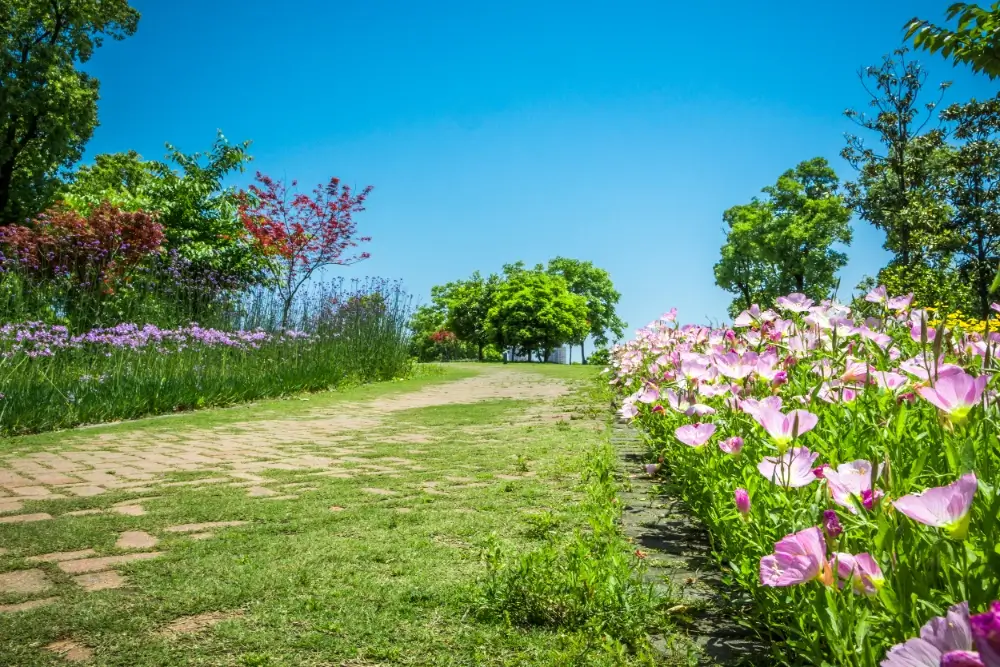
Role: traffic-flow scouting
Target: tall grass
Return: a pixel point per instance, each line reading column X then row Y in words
column 54, row 377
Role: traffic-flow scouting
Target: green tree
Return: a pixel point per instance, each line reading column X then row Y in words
column 593, row 284
column 975, row 40
column 974, row 194
column 48, row 107
column 901, row 181
column 467, row 304
column 785, row 241
column 535, row 311
column 199, row 214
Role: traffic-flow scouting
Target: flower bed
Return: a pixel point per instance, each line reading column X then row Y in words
column 52, row 379
column 846, row 464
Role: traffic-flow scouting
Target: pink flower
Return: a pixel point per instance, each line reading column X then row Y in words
column 851, row 483
column 652, row 468
column 943, row 641
column 684, row 405
column 900, row 303
column 783, row 428
column 732, row 445
column 861, row 570
column 792, row 470
column 669, row 316
column 628, row 409
column 649, row 393
column 889, row 380
column 955, row 394
column 797, row 559
column 752, row 406
column 735, row 367
column 796, row 303
column 943, row 506
column 877, row 295
column 742, row 499
column 695, row 435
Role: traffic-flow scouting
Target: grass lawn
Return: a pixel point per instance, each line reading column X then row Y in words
column 365, row 515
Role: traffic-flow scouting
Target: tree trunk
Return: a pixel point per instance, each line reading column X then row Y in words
column 480, row 351
column 583, row 357
column 800, row 283
column 545, row 355
column 570, row 354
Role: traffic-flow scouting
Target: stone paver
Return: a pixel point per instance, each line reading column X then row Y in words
column 60, row 556
column 96, row 564
column 7, row 506
column 129, row 510
column 25, row 518
column 378, row 492
column 99, row 581
column 201, row 536
column 199, row 527
column 70, row 651
column 25, row 582
column 26, row 606
column 135, row 539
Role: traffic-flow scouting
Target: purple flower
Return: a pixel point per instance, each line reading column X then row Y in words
column 732, row 445
column 695, row 435
column 986, row 635
column 831, row 525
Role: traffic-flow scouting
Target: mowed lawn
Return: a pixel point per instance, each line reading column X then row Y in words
column 343, row 529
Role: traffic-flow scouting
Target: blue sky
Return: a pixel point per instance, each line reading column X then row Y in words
column 494, row 132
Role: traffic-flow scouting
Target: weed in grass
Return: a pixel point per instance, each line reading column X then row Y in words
column 588, row 582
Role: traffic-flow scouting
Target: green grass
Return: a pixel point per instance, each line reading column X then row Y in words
column 369, row 585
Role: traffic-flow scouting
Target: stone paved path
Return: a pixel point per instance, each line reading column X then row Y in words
column 338, row 441
column 324, row 440
column 679, row 560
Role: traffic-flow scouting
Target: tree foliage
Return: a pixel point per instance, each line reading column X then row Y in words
column 535, row 311
column 48, row 107
column 594, row 284
column 467, row 304
column 302, row 234
column 973, row 191
column 199, row 214
column 785, row 242
column 974, row 41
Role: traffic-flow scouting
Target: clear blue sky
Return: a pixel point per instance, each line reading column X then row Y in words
column 494, row 132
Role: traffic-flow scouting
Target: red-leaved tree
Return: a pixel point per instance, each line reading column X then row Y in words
column 93, row 251
column 303, row 234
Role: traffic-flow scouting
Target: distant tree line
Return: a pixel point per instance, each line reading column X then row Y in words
column 531, row 311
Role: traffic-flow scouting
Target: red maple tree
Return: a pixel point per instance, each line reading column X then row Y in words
column 303, row 234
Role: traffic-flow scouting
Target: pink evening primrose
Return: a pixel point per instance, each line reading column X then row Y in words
column 797, row 559
column 628, row 409
column 742, row 500
column 732, row 445
column 695, row 435
column 877, row 295
column 851, row 484
column 796, row 303
column 955, row 394
column 752, row 406
column 792, row 470
column 860, row 570
column 649, row 394
column 735, row 367
column 783, row 428
column 900, row 303
column 943, row 506
column 943, row 641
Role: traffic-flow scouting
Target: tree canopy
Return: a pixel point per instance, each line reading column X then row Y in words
column 534, row 310
column 48, row 107
column 974, row 41
column 785, row 242
column 594, row 284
